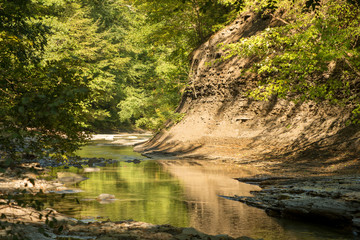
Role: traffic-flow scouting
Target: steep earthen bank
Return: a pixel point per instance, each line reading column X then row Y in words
column 221, row 122
column 279, row 137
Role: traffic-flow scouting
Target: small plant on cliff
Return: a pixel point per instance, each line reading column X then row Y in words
column 313, row 55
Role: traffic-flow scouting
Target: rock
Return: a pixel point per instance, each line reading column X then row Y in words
column 338, row 203
column 136, row 161
column 13, row 231
column 86, row 221
column 90, row 169
column 69, row 177
column 105, row 198
column 191, row 231
column 163, row 236
column 30, row 175
column 67, row 191
column 73, row 229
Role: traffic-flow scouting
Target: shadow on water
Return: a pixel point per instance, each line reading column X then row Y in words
column 177, row 192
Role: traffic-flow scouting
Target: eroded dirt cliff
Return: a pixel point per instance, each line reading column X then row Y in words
column 221, row 122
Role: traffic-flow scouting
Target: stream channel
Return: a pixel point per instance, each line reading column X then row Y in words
column 183, row 193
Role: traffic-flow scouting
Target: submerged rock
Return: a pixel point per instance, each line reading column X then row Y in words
column 69, row 177
column 67, row 191
column 105, row 198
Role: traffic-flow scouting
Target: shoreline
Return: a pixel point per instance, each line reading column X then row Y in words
column 294, row 190
column 21, row 220
column 277, row 196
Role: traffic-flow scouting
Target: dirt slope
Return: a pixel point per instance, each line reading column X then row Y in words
column 221, row 123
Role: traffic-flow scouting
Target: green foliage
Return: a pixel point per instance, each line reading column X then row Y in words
column 313, row 56
column 191, row 21
column 40, row 102
column 112, row 41
column 76, row 36
column 162, row 40
column 69, row 66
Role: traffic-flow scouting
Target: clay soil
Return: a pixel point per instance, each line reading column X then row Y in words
column 301, row 142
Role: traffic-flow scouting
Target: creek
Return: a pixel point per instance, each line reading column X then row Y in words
column 183, row 193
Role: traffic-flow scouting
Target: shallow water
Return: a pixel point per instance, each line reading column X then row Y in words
column 177, row 192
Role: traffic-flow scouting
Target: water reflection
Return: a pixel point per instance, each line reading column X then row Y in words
column 180, row 193
column 143, row 192
column 208, row 212
column 204, row 181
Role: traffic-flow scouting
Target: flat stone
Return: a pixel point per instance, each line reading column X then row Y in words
column 308, row 198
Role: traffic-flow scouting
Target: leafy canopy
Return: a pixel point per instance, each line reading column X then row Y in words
column 40, row 101
column 68, row 66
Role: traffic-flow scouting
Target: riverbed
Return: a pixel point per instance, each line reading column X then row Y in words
column 182, row 193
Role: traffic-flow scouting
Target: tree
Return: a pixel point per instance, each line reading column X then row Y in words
column 193, row 21
column 41, row 103
column 315, row 55
column 67, row 66
column 166, row 34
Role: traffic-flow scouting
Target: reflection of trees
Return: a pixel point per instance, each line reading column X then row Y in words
column 144, row 192
column 102, row 149
column 203, row 183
